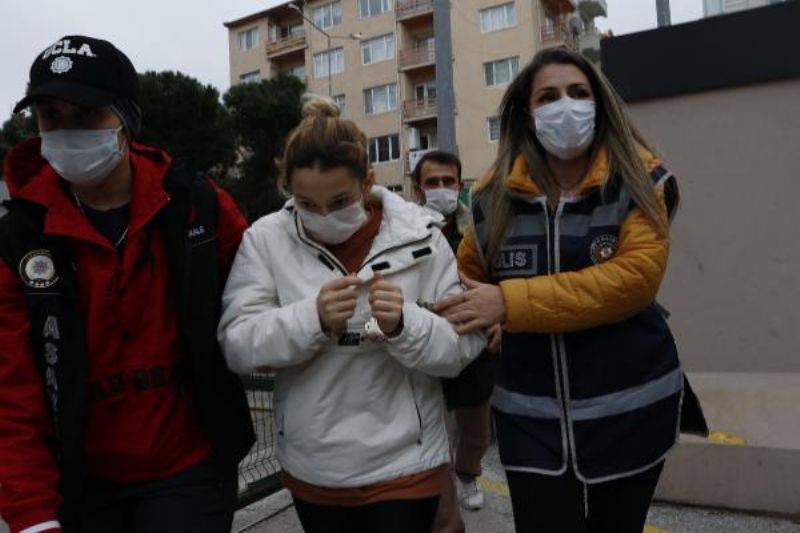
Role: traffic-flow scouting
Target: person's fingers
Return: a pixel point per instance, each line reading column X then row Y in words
column 343, row 283
column 462, row 317
column 446, row 303
column 457, row 311
column 470, row 327
column 392, row 318
column 389, row 307
column 389, row 296
column 377, row 278
column 341, row 307
column 340, row 296
column 467, row 282
column 384, row 286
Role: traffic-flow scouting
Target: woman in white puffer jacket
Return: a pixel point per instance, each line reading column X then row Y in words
column 331, row 292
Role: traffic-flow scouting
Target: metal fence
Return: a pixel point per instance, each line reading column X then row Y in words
column 259, row 472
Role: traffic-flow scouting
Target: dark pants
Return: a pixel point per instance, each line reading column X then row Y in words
column 546, row 504
column 397, row 516
column 195, row 501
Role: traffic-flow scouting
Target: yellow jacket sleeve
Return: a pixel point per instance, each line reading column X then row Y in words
column 469, row 257
column 594, row 296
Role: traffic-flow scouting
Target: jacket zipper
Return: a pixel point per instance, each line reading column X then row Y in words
column 554, row 266
column 320, row 249
column 416, row 407
column 369, row 260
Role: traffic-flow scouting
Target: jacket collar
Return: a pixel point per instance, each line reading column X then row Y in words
column 521, row 182
column 31, row 178
column 404, row 223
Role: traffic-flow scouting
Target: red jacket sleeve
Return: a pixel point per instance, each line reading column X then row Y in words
column 28, row 472
column 230, row 228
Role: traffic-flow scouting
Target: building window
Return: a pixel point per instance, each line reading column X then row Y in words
column 373, row 8
column 384, row 149
column 336, row 62
column 498, row 18
column 396, row 188
column 248, row 39
column 493, row 128
column 380, row 99
column 298, row 72
column 340, row 103
column 280, row 33
column 377, row 49
column 328, row 15
column 250, row 77
column 501, row 72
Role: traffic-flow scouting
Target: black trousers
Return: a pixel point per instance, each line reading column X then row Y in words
column 562, row 504
column 193, row 501
column 397, row 516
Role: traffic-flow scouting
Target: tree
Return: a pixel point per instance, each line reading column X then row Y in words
column 187, row 119
column 263, row 114
column 15, row 130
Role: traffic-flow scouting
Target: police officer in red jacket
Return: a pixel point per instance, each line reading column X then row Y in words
column 117, row 412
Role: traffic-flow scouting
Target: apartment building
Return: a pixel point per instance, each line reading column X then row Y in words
column 720, row 7
column 415, row 75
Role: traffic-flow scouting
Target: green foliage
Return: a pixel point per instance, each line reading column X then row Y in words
column 187, row 119
column 263, row 114
column 238, row 142
column 15, row 130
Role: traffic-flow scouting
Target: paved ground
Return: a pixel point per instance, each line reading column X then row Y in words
column 496, row 516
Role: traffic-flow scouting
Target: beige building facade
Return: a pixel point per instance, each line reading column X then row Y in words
column 383, row 65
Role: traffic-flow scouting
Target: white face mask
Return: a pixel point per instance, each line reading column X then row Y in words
column 335, row 227
column 445, row 201
column 566, row 127
column 82, row 157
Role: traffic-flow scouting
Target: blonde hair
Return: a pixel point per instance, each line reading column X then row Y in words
column 324, row 140
column 615, row 132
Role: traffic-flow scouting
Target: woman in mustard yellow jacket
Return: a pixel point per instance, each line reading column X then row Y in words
column 568, row 249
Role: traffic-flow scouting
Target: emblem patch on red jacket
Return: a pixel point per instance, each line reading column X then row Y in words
column 37, row 270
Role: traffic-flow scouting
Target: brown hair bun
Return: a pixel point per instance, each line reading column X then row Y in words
column 315, row 106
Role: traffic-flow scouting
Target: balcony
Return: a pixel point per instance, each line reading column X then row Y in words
column 558, row 35
column 419, row 109
column 422, row 56
column 409, row 9
column 286, row 45
column 590, row 9
column 561, row 6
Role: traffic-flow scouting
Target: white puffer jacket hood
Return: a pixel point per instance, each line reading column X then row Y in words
column 348, row 412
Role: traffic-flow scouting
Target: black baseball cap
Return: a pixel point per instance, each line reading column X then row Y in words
column 84, row 71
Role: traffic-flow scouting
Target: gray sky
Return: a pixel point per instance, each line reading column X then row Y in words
column 188, row 35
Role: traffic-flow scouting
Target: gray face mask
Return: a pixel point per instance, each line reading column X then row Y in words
column 82, row 157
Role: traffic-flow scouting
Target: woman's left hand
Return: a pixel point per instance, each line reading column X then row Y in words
column 481, row 307
column 386, row 302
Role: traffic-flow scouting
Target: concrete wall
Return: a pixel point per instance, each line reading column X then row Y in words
column 733, row 287
column 733, row 284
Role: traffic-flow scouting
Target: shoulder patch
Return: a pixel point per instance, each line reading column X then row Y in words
column 603, row 248
column 37, row 269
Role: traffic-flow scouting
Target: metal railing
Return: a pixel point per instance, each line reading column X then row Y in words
column 259, row 472
column 419, row 108
column 282, row 44
column 558, row 34
column 419, row 56
column 411, row 8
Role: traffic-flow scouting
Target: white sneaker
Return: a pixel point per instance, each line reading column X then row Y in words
column 469, row 494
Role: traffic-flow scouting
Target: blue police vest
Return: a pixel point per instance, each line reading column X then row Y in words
column 604, row 400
